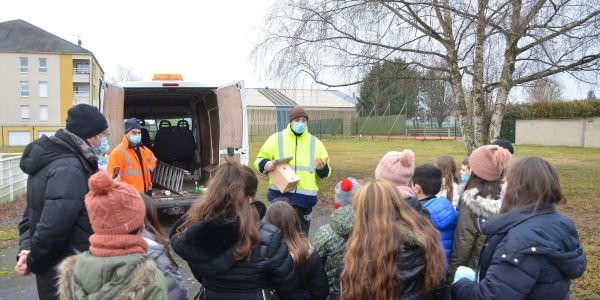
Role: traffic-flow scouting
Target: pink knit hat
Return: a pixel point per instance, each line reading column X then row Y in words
column 398, row 168
column 488, row 162
column 115, row 210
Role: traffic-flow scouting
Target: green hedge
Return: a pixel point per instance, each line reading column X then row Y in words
column 546, row 110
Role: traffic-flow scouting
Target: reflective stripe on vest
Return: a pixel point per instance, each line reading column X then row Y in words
column 311, row 166
column 298, row 191
column 129, row 168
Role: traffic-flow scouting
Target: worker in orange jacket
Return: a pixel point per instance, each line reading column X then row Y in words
column 135, row 161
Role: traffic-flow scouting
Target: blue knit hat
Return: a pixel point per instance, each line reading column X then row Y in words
column 131, row 124
column 345, row 189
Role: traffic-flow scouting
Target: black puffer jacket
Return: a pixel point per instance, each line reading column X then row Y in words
column 529, row 255
column 312, row 281
column 55, row 223
column 208, row 247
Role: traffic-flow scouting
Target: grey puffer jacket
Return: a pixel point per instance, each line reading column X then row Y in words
column 157, row 251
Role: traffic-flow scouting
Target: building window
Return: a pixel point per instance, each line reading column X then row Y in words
column 43, row 89
column 25, row 112
column 24, row 63
column 42, row 65
column 19, row 138
column 24, row 88
column 44, row 113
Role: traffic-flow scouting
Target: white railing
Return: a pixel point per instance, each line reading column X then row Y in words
column 81, row 94
column 13, row 182
column 81, row 70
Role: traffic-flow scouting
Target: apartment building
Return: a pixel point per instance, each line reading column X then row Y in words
column 41, row 77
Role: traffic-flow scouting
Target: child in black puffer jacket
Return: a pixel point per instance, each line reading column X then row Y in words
column 312, row 281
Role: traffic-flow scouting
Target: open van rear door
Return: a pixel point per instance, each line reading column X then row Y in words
column 233, row 122
column 112, row 105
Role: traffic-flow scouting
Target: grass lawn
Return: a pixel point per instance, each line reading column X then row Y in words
column 579, row 171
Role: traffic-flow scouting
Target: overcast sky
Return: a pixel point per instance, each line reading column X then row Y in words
column 208, row 40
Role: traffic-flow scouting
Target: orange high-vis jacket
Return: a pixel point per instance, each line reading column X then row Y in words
column 132, row 171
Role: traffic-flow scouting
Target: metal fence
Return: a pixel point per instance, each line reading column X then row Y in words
column 13, row 181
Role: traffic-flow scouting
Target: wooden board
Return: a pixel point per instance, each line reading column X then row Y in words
column 113, row 108
column 229, row 99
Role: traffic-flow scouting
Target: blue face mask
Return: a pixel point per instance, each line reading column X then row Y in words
column 464, row 178
column 298, row 127
column 134, row 139
column 103, row 146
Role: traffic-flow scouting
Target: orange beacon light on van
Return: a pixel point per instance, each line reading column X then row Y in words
column 157, row 77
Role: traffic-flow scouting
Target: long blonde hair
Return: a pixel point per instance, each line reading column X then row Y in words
column 370, row 263
column 283, row 215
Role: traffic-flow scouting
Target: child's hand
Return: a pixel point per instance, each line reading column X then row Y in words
column 464, row 272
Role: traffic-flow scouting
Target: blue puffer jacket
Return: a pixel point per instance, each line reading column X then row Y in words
column 444, row 217
column 529, row 255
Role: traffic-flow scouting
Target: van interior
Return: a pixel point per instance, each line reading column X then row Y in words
column 180, row 125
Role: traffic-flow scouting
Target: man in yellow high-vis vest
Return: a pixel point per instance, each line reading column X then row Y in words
column 309, row 160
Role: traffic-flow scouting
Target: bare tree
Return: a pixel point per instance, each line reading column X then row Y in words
column 124, row 74
column 487, row 46
column 436, row 96
column 591, row 95
column 544, row 90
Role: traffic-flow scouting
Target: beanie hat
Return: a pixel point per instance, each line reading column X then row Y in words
column 116, row 210
column 398, row 168
column 85, row 121
column 297, row 112
column 344, row 190
column 504, row 144
column 488, row 162
column 131, row 124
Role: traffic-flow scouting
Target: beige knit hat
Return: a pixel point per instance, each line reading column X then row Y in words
column 488, row 162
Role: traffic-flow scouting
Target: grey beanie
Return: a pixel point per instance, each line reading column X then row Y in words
column 345, row 189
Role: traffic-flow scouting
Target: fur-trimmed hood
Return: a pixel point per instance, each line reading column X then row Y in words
column 85, row 276
column 481, row 206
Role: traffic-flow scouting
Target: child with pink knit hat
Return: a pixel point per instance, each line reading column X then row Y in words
column 398, row 168
column 480, row 200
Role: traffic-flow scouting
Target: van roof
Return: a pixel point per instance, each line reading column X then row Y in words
column 167, row 83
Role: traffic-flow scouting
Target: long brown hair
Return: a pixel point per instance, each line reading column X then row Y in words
column 228, row 197
column 531, row 181
column 486, row 188
column 449, row 174
column 370, row 263
column 283, row 215
column 152, row 225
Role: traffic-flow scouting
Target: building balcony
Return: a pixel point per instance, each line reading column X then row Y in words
column 81, row 74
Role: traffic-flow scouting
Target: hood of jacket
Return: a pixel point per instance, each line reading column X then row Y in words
column 481, row 206
column 342, row 221
column 209, row 245
column 551, row 234
column 85, row 276
column 45, row 150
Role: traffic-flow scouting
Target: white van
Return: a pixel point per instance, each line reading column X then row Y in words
column 189, row 126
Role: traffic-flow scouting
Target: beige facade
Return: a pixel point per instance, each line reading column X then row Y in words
column 35, row 96
column 559, row 132
column 47, row 102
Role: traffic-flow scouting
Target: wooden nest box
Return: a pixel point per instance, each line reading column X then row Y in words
column 284, row 176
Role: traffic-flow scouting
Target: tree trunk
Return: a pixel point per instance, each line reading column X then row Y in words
column 479, row 109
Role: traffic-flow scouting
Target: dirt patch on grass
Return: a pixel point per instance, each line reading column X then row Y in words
column 11, row 212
